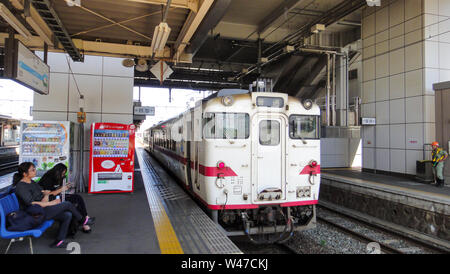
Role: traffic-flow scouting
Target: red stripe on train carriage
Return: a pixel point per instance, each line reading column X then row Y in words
column 300, row 203
column 308, row 169
column 204, row 170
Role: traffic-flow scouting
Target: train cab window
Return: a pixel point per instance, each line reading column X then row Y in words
column 269, row 133
column 272, row 102
column 226, row 125
column 304, row 127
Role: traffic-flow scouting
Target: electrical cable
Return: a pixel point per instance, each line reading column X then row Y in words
column 73, row 75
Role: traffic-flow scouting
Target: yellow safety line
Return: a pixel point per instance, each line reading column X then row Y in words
column 167, row 238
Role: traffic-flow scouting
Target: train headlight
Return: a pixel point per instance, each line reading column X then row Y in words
column 228, row 100
column 313, row 163
column 307, row 104
column 221, row 165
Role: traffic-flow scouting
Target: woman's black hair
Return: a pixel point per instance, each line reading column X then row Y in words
column 55, row 173
column 23, row 168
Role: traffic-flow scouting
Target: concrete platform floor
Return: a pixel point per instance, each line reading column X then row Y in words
column 388, row 180
column 110, row 234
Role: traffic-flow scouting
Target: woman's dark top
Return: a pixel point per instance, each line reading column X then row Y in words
column 28, row 193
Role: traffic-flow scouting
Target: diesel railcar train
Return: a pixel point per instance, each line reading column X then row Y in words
column 251, row 158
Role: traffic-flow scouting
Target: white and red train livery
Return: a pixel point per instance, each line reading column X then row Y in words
column 253, row 159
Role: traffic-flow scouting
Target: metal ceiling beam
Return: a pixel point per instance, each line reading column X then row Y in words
column 285, row 7
column 311, row 77
column 190, row 27
column 97, row 48
column 114, row 24
column 51, row 18
column 35, row 21
column 192, row 5
column 212, row 18
column 291, row 66
column 184, row 84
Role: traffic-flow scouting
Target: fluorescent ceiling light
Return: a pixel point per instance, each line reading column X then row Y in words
column 160, row 37
column 372, row 3
column 14, row 22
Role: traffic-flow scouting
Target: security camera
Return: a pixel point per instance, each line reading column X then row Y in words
column 72, row 3
column 372, row 3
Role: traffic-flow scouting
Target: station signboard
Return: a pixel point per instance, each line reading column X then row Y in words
column 145, row 110
column 26, row 68
column 368, row 121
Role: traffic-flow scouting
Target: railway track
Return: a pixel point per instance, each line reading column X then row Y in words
column 8, row 167
column 248, row 247
column 391, row 243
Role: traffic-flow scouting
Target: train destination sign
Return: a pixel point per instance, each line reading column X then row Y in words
column 26, row 68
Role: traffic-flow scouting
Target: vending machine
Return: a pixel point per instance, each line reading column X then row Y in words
column 111, row 164
column 45, row 144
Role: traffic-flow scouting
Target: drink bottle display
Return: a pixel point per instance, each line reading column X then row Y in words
column 111, row 158
column 46, row 143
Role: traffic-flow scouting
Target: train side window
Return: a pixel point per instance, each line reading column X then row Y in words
column 226, row 125
column 269, row 133
column 304, row 126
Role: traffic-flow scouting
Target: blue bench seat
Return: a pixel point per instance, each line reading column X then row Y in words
column 8, row 204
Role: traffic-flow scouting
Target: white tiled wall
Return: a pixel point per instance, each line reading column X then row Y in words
column 406, row 49
column 107, row 87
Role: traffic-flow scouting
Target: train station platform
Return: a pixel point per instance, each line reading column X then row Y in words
column 157, row 218
column 411, row 207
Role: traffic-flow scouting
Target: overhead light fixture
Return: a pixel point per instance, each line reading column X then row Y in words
column 72, row 3
column 14, row 22
column 372, row 3
column 288, row 49
column 128, row 63
column 142, row 65
column 160, row 37
column 317, row 28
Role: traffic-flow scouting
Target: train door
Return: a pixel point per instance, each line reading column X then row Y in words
column 269, row 158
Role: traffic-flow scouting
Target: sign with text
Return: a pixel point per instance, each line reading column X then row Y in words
column 26, row 68
column 149, row 111
column 368, row 121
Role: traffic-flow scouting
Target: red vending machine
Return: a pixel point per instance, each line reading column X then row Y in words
column 111, row 163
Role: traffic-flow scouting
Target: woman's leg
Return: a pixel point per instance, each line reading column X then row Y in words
column 52, row 211
column 64, row 218
column 78, row 202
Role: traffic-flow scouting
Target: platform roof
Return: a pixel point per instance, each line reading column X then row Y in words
column 211, row 41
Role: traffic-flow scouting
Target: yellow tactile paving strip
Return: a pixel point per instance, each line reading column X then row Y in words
column 167, row 238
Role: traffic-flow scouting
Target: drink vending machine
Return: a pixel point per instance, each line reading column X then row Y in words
column 46, row 143
column 111, row 163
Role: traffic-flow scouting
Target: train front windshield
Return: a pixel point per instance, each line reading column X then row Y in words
column 304, row 127
column 226, row 125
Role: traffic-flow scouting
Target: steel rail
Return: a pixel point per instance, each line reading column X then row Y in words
column 387, row 230
column 385, row 248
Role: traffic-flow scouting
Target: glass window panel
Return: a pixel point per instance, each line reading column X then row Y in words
column 303, row 126
column 226, row 125
column 269, row 133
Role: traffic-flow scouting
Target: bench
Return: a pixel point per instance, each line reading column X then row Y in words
column 8, row 204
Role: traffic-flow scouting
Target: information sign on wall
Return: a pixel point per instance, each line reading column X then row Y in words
column 26, row 68
column 149, row 111
column 368, row 121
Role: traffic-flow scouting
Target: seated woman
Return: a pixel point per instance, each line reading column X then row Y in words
column 52, row 180
column 29, row 192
